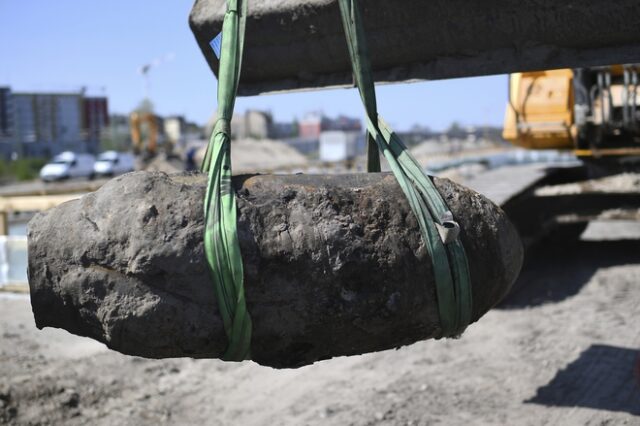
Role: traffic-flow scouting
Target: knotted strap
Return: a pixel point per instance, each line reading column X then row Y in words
column 222, row 248
column 438, row 229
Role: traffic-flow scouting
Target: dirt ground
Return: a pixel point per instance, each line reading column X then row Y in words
column 562, row 349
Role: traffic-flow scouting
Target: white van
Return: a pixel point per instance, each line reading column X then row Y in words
column 68, row 165
column 112, row 163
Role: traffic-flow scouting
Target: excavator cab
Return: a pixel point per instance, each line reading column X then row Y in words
column 540, row 113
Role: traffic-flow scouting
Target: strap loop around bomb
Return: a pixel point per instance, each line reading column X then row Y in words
column 439, row 230
column 222, row 248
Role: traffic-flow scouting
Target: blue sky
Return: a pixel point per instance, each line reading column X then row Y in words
column 63, row 45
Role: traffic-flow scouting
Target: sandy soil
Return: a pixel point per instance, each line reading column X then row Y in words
column 563, row 349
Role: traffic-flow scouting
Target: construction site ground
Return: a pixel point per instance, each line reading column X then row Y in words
column 562, row 349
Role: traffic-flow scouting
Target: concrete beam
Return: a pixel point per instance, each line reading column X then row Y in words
column 293, row 45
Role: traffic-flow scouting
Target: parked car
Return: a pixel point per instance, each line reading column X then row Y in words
column 68, row 165
column 112, row 163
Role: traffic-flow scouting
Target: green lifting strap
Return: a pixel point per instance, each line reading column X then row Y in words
column 437, row 226
column 222, row 248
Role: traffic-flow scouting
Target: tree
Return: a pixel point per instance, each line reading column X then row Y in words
column 456, row 131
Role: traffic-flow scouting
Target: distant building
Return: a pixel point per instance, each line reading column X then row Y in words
column 258, row 124
column 45, row 124
column 174, row 129
column 343, row 123
column 339, row 145
column 281, row 130
column 252, row 124
column 6, row 112
column 416, row 135
column 310, row 126
column 7, row 139
column 314, row 123
column 95, row 118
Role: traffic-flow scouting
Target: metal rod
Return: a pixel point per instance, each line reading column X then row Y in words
column 626, row 107
column 634, row 103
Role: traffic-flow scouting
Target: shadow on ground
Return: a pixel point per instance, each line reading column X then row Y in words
column 554, row 272
column 603, row 378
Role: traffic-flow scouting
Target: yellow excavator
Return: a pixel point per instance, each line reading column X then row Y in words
column 593, row 111
column 148, row 145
